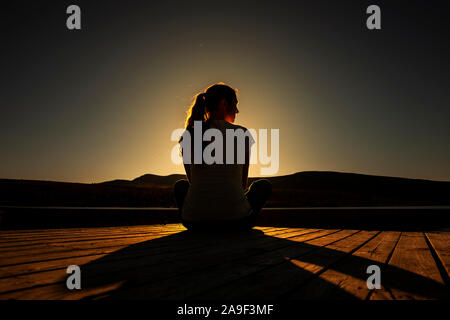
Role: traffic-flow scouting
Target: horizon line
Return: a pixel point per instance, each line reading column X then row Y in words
column 253, row 177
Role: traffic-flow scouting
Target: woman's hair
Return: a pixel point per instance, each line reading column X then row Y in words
column 208, row 101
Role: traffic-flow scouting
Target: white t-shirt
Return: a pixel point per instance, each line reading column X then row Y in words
column 216, row 191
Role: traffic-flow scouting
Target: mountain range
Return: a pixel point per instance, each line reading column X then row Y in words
column 308, row 188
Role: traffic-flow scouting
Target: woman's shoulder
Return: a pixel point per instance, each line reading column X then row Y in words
column 223, row 124
column 235, row 126
column 246, row 131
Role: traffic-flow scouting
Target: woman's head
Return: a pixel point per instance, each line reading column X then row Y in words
column 218, row 101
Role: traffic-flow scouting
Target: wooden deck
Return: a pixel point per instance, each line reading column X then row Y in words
column 167, row 262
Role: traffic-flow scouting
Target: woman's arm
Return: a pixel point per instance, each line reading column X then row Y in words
column 187, row 167
column 245, row 176
column 246, row 165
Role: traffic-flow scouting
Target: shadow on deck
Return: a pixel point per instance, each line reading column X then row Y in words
column 254, row 265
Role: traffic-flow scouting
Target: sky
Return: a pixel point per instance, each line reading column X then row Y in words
column 101, row 103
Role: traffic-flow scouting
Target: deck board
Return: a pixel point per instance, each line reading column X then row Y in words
column 6, row 235
column 412, row 272
column 166, row 262
column 349, row 275
column 440, row 243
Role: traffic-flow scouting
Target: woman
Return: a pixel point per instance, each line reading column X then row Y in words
column 214, row 198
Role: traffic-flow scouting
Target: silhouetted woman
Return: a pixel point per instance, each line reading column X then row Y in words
column 214, row 198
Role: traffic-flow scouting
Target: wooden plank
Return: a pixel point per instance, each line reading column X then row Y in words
column 51, row 284
column 20, row 234
column 35, row 261
column 441, row 244
column 23, row 248
column 347, row 278
column 38, row 242
column 276, row 281
column 44, row 237
column 412, row 272
column 55, row 246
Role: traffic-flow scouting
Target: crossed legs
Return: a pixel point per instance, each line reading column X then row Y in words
column 257, row 195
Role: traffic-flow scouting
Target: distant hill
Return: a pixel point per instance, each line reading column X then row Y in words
column 309, row 188
column 150, row 179
column 305, row 179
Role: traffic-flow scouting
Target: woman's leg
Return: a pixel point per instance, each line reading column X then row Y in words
column 180, row 190
column 258, row 193
column 257, row 196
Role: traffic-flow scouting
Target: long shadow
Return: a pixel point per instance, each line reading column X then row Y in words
column 187, row 265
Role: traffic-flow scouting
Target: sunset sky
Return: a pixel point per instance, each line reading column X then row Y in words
column 101, row 103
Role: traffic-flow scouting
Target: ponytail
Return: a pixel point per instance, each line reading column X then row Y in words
column 197, row 112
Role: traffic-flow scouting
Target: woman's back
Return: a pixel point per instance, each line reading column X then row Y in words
column 216, row 191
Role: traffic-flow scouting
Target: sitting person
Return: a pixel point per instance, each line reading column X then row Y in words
column 213, row 197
